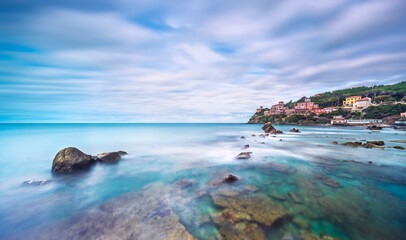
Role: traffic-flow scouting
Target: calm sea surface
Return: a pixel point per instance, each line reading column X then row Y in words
column 326, row 189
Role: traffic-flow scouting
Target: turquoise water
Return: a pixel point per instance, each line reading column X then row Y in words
column 369, row 201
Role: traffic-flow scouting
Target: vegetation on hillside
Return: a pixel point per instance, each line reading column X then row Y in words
column 380, row 112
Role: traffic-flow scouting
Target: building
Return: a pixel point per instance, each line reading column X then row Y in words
column 278, row 109
column 351, row 100
column 338, row 120
column 305, row 106
column 259, row 109
column 403, row 114
column 361, row 104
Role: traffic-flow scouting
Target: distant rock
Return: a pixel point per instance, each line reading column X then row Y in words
column 399, row 147
column 242, row 137
column 379, row 143
column 71, row 159
column 352, row 144
column 246, row 146
column 244, row 155
column 294, row 130
column 110, row 157
column 374, row 127
column 335, row 142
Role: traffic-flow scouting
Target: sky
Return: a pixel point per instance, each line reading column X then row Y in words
column 189, row 61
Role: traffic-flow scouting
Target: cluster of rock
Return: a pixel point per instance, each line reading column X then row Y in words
column 294, row 130
column 370, row 144
column 374, row 127
column 71, row 159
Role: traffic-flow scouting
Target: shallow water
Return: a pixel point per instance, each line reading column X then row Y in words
column 336, row 196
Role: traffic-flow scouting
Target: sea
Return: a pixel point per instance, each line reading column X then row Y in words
column 308, row 186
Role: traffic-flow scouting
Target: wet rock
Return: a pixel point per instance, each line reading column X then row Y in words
column 268, row 128
column 335, row 142
column 277, row 196
column 294, row 130
column 262, row 135
column 371, row 145
column 110, row 157
column 246, row 146
column 301, row 223
column 344, row 175
column 378, row 143
column 258, row 208
column 251, row 188
column 230, row 179
column 242, row 137
column 399, row 147
column 183, row 183
column 352, row 144
column 36, row 182
column 253, row 135
column 244, row 155
column 374, row 127
column 241, row 231
column 202, row 220
column 227, row 192
column 71, row 159
column 294, row 197
column 328, row 181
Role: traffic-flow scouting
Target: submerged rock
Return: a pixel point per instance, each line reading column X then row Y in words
column 36, row 182
column 352, row 144
column 282, row 168
column 244, row 155
column 251, row 188
column 277, row 196
column 71, row 159
column 183, row 183
column 230, row 179
column 294, row 197
column 371, row 145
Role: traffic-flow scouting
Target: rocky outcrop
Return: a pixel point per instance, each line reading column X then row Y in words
column 399, row 147
column 374, row 127
column 378, row 143
column 294, row 130
column 110, row 157
column 230, row 178
column 71, row 159
column 268, row 128
column 244, row 155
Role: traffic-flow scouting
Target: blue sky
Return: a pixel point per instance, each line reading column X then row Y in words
column 188, row 61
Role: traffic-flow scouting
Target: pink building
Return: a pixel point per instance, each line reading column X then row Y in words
column 305, row 106
column 278, row 109
column 403, row 114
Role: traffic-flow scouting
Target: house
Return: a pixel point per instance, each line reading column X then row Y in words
column 338, row 120
column 278, row 109
column 403, row 114
column 351, row 100
column 259, row 109
column 305, row 106
column 361, row 104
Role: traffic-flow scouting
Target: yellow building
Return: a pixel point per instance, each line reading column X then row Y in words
column 351, row 100
column 259, row 109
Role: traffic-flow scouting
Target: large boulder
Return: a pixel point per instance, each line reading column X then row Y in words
column 268, row 128
column 374, row 127
column 294, row 130
column 70, row 159
column 244, row 155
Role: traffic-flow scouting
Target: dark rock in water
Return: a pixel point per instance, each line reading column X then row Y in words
column 246, row 146
column 262, row 135
column 230, row 178
column 36, row 182
column 374, row 127
column 301, row 223
column 399, row 147
column 335, row 142
column 294, row 197
column 71, row 159
column 371, row 145
column 268, row 128
column 279, row 132
column 294, row 130
column 378, row 143
column 253, row 135
column 242, row 137
column 110, row 157
column 184, row 183
column 244, row 155
column 352, row 144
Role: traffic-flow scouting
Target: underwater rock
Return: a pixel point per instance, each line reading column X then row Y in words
column 202, row 220
column 306, row 235
column 374, row 127
column 251, row 188
column 277, row 196
column 294, row 130
column 110, row 157
column 282, row 168
column 183, row 183
column 227, row 192
column 328, row 181
column 244, row 155
column 294, row 197
column 301, row 223
column 144, row 215
column 70, row 159
column 240, row 231
column 258, row 208
column 399, row 147
column 36, row 182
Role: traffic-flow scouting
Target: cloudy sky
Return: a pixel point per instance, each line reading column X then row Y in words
column 188, row 61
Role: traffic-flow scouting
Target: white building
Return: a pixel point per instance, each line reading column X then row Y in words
column 361, row 104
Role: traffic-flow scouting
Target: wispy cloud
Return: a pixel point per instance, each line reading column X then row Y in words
column 201, row 61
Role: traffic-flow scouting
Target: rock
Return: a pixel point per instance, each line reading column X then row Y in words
column 262, row 135
column 282, row 168
column 246, row 146
column 268, row 128
column 370, row 145
column 230, row 179
column 294, row 130
column 251, row 188
column 378, row 143
column 257, row 208
column 227, row 192
column 244, row 155
column 352, row 144
column 294, row 197
column 253, row 135
column 183, row 183
column 374, row 127
column 110, row 157
column 277, row 196
column 242, row 137
column 399, row 147
column 301, row 223
column 335, row 142
column 240, row 231
column 36, row 182
column 202, row 220
column 71, row 159
column 279, row 132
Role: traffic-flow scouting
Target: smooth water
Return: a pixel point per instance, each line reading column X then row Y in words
column 341, row 194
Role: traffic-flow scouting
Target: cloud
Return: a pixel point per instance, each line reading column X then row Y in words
column 201, row 61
